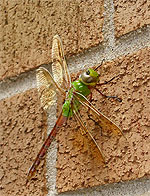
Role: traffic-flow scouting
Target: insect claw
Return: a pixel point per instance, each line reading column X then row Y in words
column 26, row 182
column 125, row 137
column 120, row 100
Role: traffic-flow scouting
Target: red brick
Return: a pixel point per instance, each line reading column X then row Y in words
column 130, row 15
column 27, row 29
column 22, row 125
column 78, row 165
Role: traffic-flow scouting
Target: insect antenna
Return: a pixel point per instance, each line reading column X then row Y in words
column 99, row 65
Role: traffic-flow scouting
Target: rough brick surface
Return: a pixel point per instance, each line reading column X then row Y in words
column 78, row 162
column 26, row 31
column 130, row 15
column 22, row 125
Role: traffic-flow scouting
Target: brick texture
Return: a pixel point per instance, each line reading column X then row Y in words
column 22, row 126
column 26, row 30
column 130, row 15
column 78, row 162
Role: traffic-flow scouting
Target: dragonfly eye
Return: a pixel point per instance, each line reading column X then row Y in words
column 88, row 72
column 89, row 77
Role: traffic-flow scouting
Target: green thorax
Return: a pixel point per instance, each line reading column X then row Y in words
column 79, row 87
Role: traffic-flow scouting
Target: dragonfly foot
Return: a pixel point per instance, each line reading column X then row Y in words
column 114, row 97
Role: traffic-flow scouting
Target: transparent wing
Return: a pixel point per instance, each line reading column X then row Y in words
column 59, row 65
column 47, row 87
column 104, row 121
column 84, row 130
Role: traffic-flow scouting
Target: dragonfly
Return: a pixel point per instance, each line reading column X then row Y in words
column 76, row 94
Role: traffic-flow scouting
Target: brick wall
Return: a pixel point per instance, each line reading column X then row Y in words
column 117, row 31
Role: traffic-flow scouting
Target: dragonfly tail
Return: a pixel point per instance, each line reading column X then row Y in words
column 60, row 121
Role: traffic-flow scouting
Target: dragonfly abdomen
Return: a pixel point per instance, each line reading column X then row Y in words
column 60, row 121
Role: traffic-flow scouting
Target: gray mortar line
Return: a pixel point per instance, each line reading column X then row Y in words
column 109, row 27
column 109, row 49
column 127, row 44
column 130, row 188
column 51, row 155
column 17, row 85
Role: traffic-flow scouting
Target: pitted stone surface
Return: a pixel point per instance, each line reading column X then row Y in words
column 27, row 29
column 78, row 162
column 22, row 126
column 130, row 15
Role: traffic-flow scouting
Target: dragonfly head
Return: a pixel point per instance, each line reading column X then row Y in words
column 89, row 77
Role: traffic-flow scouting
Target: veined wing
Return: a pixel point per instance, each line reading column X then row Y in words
column 47, row 87
column 104, row 121
column 86, row 131
column 59, row 65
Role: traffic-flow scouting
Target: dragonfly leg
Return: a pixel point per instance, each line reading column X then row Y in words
column 106, row 96
column 106, row 82
column 96, row 123
column 79, row 120
column 90, row 99
column 99, row 65
column 82, row 131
